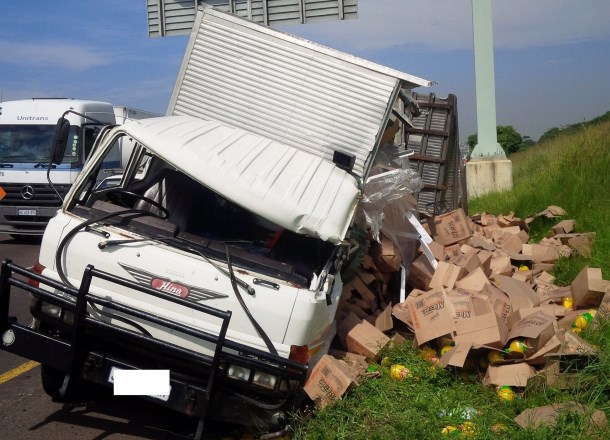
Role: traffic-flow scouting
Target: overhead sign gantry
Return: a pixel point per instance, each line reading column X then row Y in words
column 176, row 17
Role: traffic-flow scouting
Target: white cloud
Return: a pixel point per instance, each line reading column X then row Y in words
column 443, row 25
column 51, row 54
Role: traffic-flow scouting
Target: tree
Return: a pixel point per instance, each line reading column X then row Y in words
column 509, row 138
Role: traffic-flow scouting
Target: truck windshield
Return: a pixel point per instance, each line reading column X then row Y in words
column 32, row 143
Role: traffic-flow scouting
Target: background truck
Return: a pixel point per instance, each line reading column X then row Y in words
column 218, row 253
column 26, row 132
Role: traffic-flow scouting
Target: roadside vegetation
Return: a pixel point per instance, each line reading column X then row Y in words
column 570, row 170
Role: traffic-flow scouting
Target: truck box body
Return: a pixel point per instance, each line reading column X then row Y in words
column 286, row 88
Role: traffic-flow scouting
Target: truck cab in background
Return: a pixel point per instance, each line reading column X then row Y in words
column 27, row 200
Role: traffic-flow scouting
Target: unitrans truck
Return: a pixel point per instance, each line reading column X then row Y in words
column 218, row 254
column 26, row 134
column 27, row 200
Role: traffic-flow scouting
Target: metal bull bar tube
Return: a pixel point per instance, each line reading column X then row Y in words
column 193, row 375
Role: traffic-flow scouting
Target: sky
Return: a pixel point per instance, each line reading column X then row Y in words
column 552, row 57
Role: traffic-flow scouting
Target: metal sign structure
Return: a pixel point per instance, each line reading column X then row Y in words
column 176, row 17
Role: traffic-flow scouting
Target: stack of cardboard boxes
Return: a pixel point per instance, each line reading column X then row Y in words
column 486, row 287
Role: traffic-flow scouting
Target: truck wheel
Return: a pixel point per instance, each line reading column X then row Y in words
column 359, row 239
column 52, row 381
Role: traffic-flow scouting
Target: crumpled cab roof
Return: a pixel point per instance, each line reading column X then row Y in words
column 295, row 189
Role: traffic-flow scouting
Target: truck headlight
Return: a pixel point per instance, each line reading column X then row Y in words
column 51, row 310
column 68, row 317
column 264, row 380
column 238, row 373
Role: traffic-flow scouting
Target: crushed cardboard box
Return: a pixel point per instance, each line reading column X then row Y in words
column 328, row 381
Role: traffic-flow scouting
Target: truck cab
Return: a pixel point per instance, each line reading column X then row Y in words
column 26, row 132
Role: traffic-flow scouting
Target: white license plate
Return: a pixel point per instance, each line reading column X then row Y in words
column 165, row 398
column 27, row 212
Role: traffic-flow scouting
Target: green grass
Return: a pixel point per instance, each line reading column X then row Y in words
column 571, row 171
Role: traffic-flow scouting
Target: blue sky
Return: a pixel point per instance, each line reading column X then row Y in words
column 552, row 57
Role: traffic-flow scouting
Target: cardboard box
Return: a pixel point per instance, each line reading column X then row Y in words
column 328, row 381
column 345, row 326
column 583, row 243
column 382, row 321
column 365, row 293
column 479, row 242
column 366, row 340
column 501, row 265
column 564, row 227
column 355, row 365
column 445, row 275
column 588, row 288
column 538, row 358
column 451, row 227
column 420, row 273
column 485, row 329
column 431, row 316
column 469, row 261
column 534, row 418
column 485, row 259
column 513, row 375
column 552, row 212
column 520, row 293
column 500, row 303
column 603, row 312
column 462, row 305
column 563, row 369
column 475, row 281
column 536, row 329
column 456, row 357
column 548, row 309
column 540, row 253
column 512, row 245
column 438, row 250
column 452, row 251
column 386, row 255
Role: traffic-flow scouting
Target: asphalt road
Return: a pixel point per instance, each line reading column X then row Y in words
column 26, row 412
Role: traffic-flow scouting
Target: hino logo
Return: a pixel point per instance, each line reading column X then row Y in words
column 27, row 192
column 170, row 287
column 164, row 285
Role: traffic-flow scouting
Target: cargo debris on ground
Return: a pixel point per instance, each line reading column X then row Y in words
column 477, row 289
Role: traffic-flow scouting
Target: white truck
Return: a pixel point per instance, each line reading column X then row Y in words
column 26, row 132
column 218, row 253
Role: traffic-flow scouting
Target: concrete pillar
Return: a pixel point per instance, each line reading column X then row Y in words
column 488, row 169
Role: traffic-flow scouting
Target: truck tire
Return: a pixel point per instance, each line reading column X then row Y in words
column 52, row 381
column 351, row 268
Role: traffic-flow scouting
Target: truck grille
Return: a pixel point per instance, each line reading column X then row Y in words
column 42, row 195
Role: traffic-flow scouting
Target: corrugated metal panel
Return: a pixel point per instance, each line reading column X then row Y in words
column 176, row 17
column 285, row 88
column 287, row 186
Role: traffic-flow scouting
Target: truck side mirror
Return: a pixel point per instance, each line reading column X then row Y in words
column 60, row 139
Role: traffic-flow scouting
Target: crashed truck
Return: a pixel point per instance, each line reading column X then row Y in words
column 220, row 251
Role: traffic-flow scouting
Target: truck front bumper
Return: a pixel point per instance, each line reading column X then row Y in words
column 89, row 349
